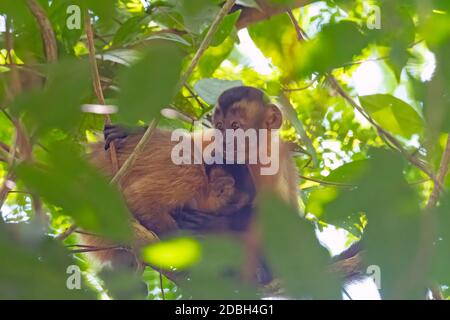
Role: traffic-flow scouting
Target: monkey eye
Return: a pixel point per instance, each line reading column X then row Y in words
column 219, row 125
column 235, row 125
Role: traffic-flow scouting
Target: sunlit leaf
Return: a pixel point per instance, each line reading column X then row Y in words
column 149, row 84
column 178, row 253
column 36, row 267
column 392, row 236
column 219, row 268
column 44, row 110
column 295, row 253
column 393, row 114
column 80, row 190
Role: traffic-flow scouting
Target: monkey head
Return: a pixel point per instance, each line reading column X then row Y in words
column 246, row 108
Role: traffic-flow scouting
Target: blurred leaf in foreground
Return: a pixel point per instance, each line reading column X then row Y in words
column 216, row 275
column 295, row 254
column 83, row 192
column 393, row 114
column 149, row 84
column 391, row 238
column 57, row 105
column 34, row 266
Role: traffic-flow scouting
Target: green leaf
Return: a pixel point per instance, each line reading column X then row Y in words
column 170, row 37
column 178, row 253
column 149, row 84
column 219, row 268
column 45, row 110
column 315, row 55
column 441, row 258
column 197, row 14
column 130, row 30
column 276, row 38
column 124, row 284
column 225, row 28
column 348, row 173
column 69, row 182
column 393, row 114
column 125, row 57
column 210, row 89
column 34, row 266
column 392, row 235
column 295, row 253
column 214, row 56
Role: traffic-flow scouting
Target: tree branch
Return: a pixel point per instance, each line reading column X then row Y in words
column 48, row 36
column 206, row 41
column 63, row 236
column 441, row 175
column 96, row 81
column 132, row 158
column 150, row 130
column 381, row 131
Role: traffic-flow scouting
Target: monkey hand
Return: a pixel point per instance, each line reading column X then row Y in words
column 117, row 134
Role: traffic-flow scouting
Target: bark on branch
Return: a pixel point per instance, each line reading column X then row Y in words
column 96, row 81
column 48, row 36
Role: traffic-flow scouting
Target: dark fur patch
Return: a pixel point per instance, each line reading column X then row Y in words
column 231, row 96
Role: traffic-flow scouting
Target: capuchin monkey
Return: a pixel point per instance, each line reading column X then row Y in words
column 157, row 190
column 155, row 186
column 237, row 108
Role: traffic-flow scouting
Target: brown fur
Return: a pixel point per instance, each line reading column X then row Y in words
column 155, row 186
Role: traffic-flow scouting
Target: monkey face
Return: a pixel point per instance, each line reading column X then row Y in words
column 245, row 108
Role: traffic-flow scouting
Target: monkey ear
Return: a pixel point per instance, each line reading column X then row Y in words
column 274, row 118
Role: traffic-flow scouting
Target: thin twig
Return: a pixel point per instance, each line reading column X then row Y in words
column 66, row 233
column 4, row 147
column 206, row 41
column 381, row 131
column 195, row 96
column 298, row 30
column 97, row 83
column 150, row 130
column 327, row 183
column 133, row 156
column 314, row 80
column 427, row 232
column 48, row 36
column 161, row 285
column 94, row 249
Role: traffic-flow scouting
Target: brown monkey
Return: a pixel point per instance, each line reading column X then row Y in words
column 155, row 185
column 247, row 108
